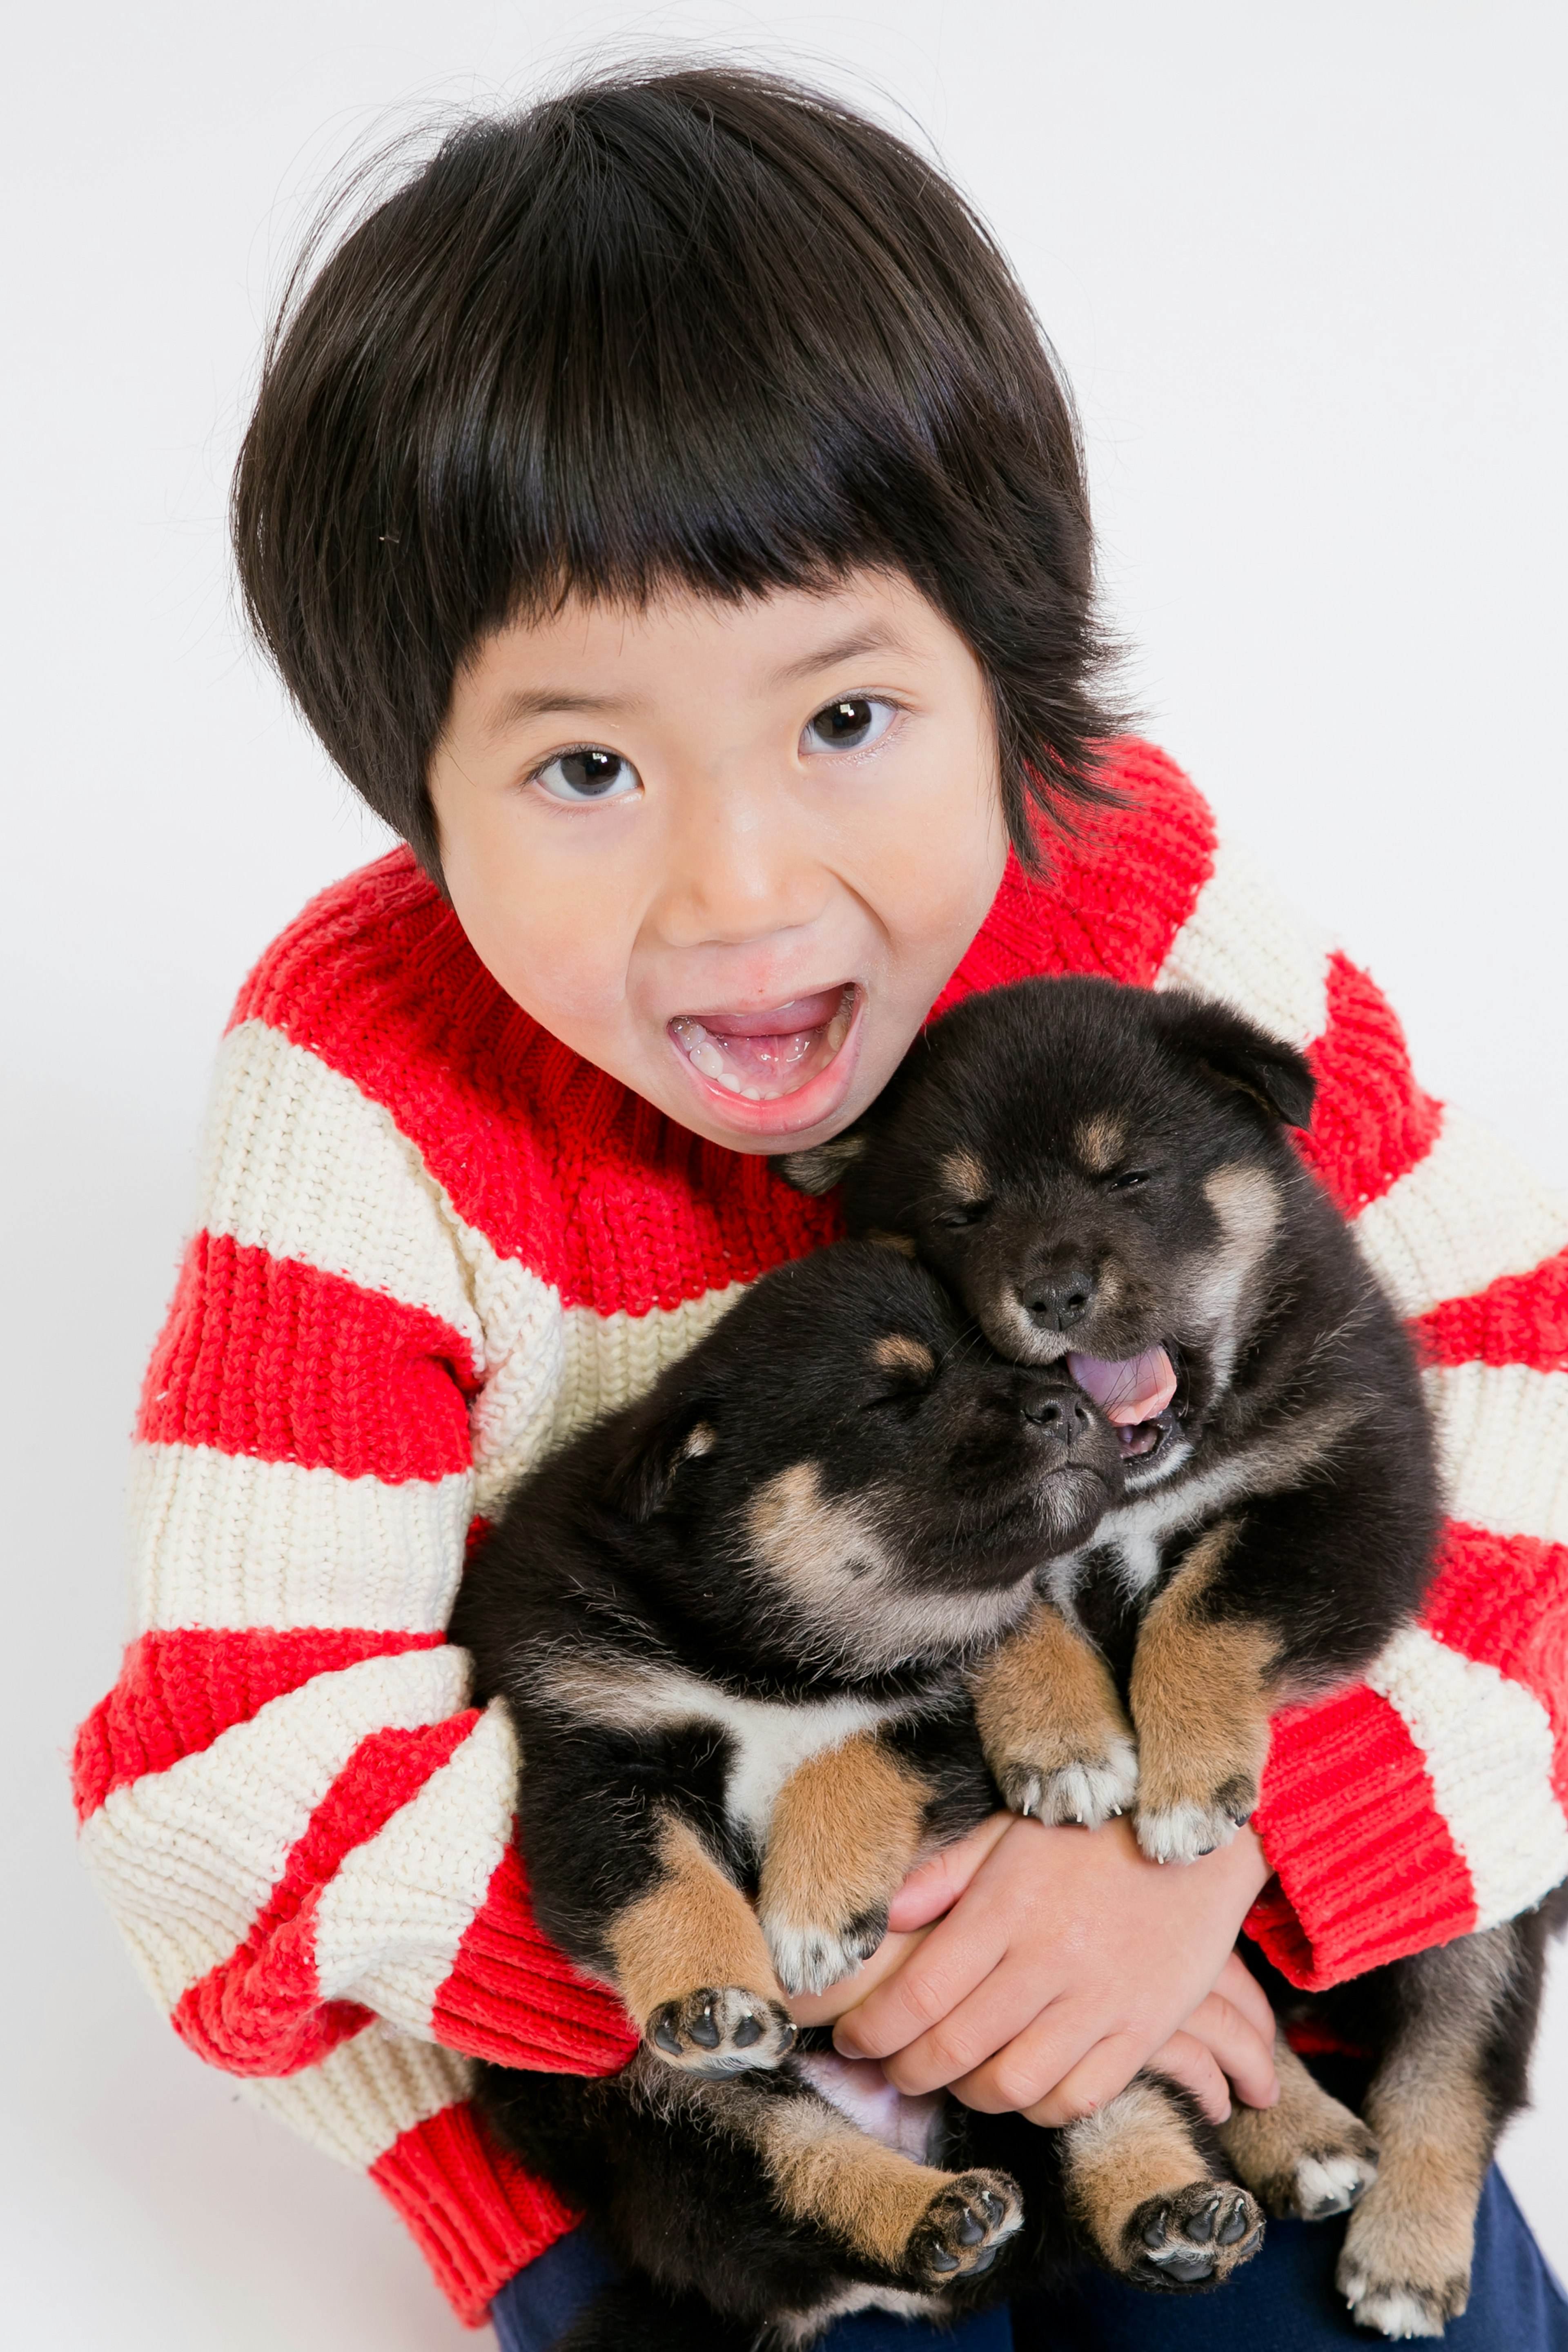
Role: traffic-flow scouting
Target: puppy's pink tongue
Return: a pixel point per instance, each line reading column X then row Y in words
column 1131, row 1388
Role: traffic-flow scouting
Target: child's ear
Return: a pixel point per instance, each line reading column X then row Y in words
column 823, row 1165
column 1231, row 1049
column 644, row 1478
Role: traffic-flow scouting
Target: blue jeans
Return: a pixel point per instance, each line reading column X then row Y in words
column 1284, row 2299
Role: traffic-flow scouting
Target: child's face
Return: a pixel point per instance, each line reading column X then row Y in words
column 729, row 853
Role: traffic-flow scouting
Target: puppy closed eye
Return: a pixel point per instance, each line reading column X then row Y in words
column 963, row 1213
column 1129, row 1180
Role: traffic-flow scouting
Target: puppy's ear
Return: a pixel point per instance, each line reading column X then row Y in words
column 1230, row 1048
column 821, row 1167
column 645, row 1476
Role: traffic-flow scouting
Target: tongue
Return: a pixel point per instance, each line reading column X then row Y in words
column 797, row 1019
column 1130, row 1388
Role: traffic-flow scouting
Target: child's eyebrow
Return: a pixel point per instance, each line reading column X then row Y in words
column 542, row 702
column 841, row 649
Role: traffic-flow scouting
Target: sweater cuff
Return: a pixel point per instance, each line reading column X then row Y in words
column 1365, row 1870
column 513, row 1998
column 476, row 2214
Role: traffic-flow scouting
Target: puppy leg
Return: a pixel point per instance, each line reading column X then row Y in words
column 692, row 1968
column 1406, row 2267
column 1305, row 2157
column 844, row 1830
column 1201, row 1696
column 1053, row 1728
column 1145, row 2197
column 911, row 2225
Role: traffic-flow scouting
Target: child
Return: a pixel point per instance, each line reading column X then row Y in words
column 665, row 510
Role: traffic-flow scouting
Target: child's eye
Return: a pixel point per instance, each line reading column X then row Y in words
column 587, row 774
column 849, row 725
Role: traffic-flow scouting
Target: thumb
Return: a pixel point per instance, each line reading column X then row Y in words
column 937, row 1884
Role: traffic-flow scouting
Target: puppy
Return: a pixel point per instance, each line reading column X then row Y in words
column 1104, row 1177
column 730, row 1624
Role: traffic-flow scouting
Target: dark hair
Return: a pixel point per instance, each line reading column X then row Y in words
column 696, row 327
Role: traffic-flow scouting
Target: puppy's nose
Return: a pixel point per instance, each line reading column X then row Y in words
column 1061, row 1411
column 1056, row 1301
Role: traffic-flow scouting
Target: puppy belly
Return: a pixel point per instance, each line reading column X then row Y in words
column 859, row 2089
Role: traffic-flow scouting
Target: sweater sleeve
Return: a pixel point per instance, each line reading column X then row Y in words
column 301, row 1825
column 1429, row 1800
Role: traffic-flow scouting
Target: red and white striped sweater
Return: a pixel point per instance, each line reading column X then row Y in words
column 433, row 1241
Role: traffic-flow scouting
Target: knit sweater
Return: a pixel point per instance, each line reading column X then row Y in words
column 432, row 1241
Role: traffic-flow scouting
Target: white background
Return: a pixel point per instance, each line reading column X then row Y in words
column 1305, row 266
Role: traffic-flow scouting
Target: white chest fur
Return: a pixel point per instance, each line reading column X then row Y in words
column 771, row 1739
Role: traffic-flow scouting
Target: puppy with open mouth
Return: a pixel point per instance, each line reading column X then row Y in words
column 1104, row 1175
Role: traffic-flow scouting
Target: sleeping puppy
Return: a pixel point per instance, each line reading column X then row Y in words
column 730, row 1624
column 1104, row 1176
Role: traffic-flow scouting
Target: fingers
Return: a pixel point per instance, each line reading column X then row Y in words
column 1236, row 2048
column 1240, row 1987
column 937, row 1884
column 931, row 1990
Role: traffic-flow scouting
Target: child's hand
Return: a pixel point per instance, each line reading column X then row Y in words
column 1064, row 1962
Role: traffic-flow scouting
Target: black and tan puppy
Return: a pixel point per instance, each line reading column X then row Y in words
column 1104, row 1176
column 730, row 1624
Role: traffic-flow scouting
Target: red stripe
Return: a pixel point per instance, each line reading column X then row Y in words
column 1367, row 1869
column 513, row 1997
column 477, row 2215
column 1521, row 1318
column 272, row 1358
column 1372, row 1123
column 259, row 2012
column 179, row 1691
column 1117, row 894
column 1503, row 1600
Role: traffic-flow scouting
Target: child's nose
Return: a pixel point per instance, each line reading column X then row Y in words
column 741, row 865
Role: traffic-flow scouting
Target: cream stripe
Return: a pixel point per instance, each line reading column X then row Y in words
column 1470, row 1211
column 1243, row 945
column 1488, row 1750
column 186, row 1858
column 356, row 2103
column 224, row 1539
column 556, row 1382
column 390, row 1923
column 298, row 1163
column 1503, row 1438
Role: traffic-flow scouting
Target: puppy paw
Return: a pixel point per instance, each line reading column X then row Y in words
column 720, row 2031
column 1401, row 2307
column 809, row 1954
column 1089, row 1785
column 963, row 2229
column 1189, row 1827
column 1326, row 2179
column 1406, row 2266
column 1191, row 2237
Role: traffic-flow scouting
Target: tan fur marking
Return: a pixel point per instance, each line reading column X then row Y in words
column 1265, row 2145
column 696, row 1928
column 900, row 1353
column 845, row 1832
column 1045, row 1702
column 1133, row 2147
column 964, row 1174
column 903, row 1243
column 827, row 2171
column 1100, row 1142
column 797, row 1530
column 1200, row 1692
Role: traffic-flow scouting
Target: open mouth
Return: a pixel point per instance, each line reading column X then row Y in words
column 767, row 1056
column 1136, row 1394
